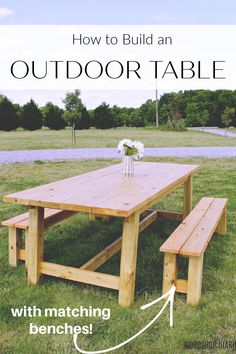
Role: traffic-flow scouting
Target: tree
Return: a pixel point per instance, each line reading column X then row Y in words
column 73, row 107
column 31, row 116
column 193, row 116
column 147, row 112
column 136, row 119
column 103, row 117
column 9, row 119
column 53, row 116
column 84, row 121
column 227, row 116
column 117, row 117
column 203, row 118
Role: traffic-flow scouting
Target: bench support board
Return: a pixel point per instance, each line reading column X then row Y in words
column 194, row 280
column 14, row 244
column 221, row 228
column 169, row 272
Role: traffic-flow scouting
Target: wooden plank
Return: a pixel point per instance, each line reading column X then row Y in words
column 51, row 217
column 113, row 248
column 169, row 271
column 188, row 191
column 17, row 219
column 35, row 243
column 103, row 256
column 181, row 234
column 142, row 193
column 106, row 192
column 80, row 275
column 22, row 254
column 57, row 217
column 181, row 286
column 147, row 199
column 26, row 245
column 71, row 182
column 85, row 189
column 149, row 219
column 105, row 218
column 128, row 260
column 201, row 235
column 221, row 228
column 165, row 191
column 92, row 217
column 14, row 243
column 169, row 215
column 194, row 280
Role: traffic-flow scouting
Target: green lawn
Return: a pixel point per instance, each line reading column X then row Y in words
column 232, row 130
column 151, row 137
column 75, row 240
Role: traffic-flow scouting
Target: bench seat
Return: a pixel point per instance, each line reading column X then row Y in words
column 19, row 224
column 190, row 239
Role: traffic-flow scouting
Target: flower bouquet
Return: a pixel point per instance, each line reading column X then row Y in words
column 130, row 150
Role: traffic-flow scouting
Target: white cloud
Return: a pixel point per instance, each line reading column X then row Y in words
column 4, row 12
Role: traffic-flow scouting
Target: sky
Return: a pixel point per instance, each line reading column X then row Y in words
column 148, row 12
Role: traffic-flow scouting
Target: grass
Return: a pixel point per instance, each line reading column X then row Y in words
column 151, row 137
column 75, row 240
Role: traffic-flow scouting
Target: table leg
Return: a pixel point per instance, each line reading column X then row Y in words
column 35, row 243
column 128, row 260
column 188, row 190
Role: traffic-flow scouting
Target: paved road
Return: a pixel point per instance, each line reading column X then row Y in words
column 8, row 157
column 216, row 131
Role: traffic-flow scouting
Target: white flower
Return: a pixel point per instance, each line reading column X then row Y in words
column 140, row 149
column 123, row 142
column 131, row 148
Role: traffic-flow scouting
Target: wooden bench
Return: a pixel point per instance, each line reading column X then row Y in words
column 190, row 239
column 20, row 224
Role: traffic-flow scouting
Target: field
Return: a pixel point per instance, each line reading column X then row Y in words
column 75, row 240
column 151, row 137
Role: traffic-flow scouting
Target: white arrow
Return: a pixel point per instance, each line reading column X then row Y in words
column 170, row 299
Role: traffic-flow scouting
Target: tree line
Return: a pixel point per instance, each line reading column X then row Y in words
column 175, row 110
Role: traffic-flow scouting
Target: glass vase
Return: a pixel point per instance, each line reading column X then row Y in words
column 127, row 167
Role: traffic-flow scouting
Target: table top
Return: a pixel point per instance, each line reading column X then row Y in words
column 104, row 191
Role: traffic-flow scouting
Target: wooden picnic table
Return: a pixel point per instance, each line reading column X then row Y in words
column 104, row 193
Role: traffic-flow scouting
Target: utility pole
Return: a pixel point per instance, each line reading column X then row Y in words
column 157, row 118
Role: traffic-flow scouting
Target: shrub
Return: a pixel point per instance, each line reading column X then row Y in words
column 175, row 125
column 103, row 117
column 31, row 116
column 53, row 117
column 9, row 119
column 84, row 121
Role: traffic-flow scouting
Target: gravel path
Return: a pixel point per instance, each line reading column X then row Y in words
column 8, row 157
column 215, row 131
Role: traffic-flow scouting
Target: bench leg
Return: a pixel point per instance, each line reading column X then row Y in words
column 194, row 280
column 14, row 243
column 222, row 225
column 26, row 246
column 128, row 260
column 169, row 271
column 35, row 243
column 187, row 196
